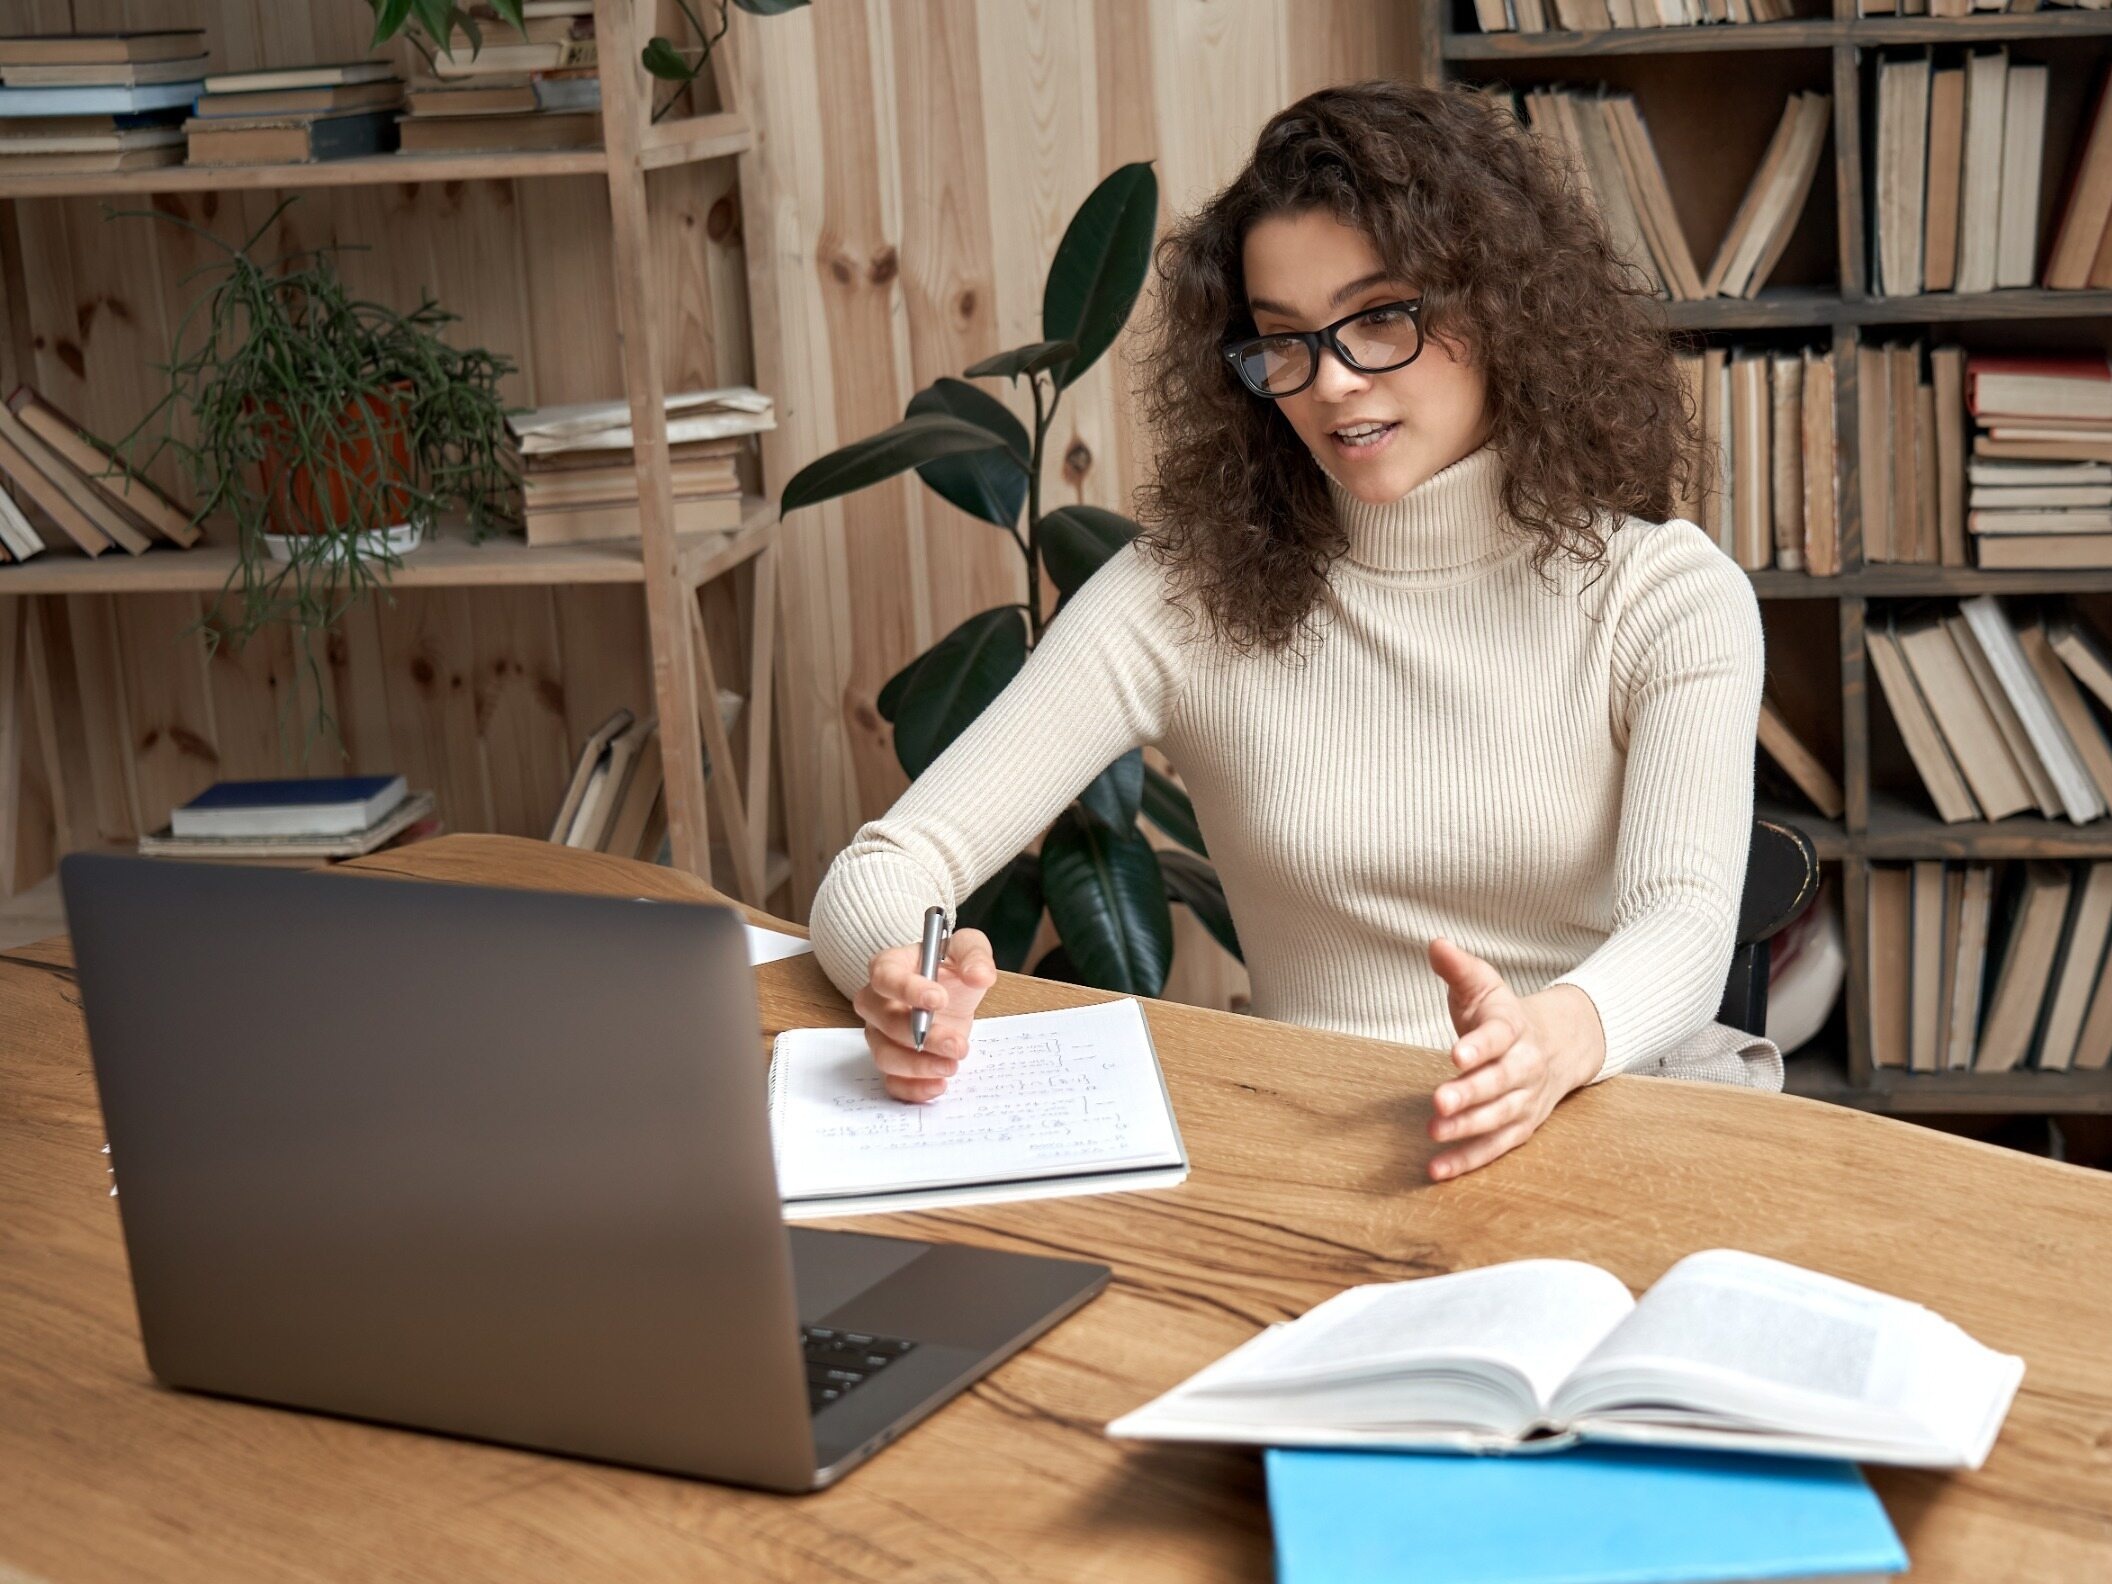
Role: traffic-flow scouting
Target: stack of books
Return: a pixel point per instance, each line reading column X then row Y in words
column 66, row 485
column 1541, row 16
column 537, row 89
column 1771, row 496
column 1910, row 418
column 1955, row 199
column 76, row 103
column 2082, row 243
column 1992, row 712
column 2042, row 459
column 297, row 823
column 296, row 115
column 579, row 478
column 1959, row 8
column 1978, row 967
column 1602, row 136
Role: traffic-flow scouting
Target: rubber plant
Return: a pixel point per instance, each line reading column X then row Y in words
column 1103, row 883
column 665, row 59
column 303, row 412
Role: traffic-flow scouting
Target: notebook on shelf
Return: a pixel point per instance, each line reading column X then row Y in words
column 1602, row 1515
column 1045, row 1104
column 407, row 821
column 1728, row 1351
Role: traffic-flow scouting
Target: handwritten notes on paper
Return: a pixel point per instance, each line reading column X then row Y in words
column 1040, row 1095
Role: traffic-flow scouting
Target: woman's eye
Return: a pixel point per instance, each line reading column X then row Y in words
column 1380, row 318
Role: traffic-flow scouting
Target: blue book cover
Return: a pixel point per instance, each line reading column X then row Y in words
column 313, row 806
column 1596, row 1515
column 98, row 100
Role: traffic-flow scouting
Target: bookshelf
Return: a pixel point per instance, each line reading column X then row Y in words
column 1719, row 88
column 669, row 569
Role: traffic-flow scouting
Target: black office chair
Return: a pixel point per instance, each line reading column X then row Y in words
column 1781, row 874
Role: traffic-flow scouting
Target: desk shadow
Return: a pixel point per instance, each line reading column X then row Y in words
column 1202, row 1503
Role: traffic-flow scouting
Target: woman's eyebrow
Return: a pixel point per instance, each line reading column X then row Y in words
column 1260, row 305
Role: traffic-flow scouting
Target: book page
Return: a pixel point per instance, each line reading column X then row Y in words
column 1532, row 1318
column 1039, row 1095
column 1753, row 1343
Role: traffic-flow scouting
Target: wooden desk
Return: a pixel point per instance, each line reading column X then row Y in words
column 1308, row 1176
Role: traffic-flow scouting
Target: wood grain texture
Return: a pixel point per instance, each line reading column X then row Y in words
column 1299, row 1189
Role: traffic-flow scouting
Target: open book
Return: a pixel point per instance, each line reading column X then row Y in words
column 1728, row 1350
column 1045, row 1103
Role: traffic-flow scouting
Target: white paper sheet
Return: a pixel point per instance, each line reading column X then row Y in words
column 1042, row 1098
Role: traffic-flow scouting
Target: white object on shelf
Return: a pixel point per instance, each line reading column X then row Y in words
column 399, row 540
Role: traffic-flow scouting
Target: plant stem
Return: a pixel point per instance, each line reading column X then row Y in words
column 1042, row 420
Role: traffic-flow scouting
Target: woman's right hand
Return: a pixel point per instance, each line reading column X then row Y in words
column 893, row 989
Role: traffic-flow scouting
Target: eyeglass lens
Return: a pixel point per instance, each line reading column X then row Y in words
column 1375, row 342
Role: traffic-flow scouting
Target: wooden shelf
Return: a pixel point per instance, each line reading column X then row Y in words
column 1806, row 307
column 1899, row 830
column 448, row 561
column 1918, row 582
column 1798, row 33
column 1819, row 1073
column 671, row 143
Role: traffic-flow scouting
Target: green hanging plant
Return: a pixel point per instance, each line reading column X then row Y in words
column 1105, row 886
column 323, row 421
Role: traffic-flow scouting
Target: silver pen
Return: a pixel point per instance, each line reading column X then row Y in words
column 928, row 960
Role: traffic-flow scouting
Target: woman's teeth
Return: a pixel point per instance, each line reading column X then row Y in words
column 1363, row 437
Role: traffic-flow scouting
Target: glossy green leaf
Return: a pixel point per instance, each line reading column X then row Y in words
column 664, row 61
column 1167, row 807
column 891, row 451
column 1100, row 266
column 1076, row 541
column 1113, row 796
column 1108, row 901
column 509, row 11
column 991, row 485
column 388, row 20
column 1194, row 883
column 933, row 699
column 471, row 30
column 1007, row 908
column 1033, row 358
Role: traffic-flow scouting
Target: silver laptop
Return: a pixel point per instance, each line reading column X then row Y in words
column 497, row 1163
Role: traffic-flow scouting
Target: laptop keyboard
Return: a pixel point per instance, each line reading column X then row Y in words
column 841, row 1361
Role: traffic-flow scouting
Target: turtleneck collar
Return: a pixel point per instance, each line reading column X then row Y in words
column 1451, row 523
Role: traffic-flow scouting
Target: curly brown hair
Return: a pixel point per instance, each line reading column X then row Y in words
column 1585, row 402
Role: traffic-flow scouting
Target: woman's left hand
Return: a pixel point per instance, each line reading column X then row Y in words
column 1517, row 1056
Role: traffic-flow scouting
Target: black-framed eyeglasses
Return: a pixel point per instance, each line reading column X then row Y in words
column 1371, row 341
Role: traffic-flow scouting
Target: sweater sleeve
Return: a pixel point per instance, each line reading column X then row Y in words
column 1104, row 679
column 1687, row 664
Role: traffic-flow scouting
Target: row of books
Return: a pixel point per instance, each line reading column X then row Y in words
column 616, row 801
column 1979, row 967
column 1591, row 16
column 64, row 485
column 1603, row 137
column 97, row 102
column 1768, row 490
column 579, row 475
column 1960, row 153
column 1993, row 712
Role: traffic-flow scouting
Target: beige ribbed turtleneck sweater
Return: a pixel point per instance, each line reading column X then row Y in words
column 1556, row 777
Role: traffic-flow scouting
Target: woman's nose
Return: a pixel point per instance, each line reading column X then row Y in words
column 1335, row 379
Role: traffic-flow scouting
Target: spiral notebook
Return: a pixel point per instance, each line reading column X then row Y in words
column 1045, row 1104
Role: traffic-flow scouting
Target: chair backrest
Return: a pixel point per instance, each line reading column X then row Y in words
column 1781, row 876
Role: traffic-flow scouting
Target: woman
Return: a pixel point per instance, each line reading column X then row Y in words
column 1468, row 725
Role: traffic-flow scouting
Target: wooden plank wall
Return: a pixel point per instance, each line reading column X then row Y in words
column 921, row 163
column 482, row 695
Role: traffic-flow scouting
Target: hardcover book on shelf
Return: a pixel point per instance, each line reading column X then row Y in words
column 2030, row 910
column 104, row 74
column 290, row 140
column 330, row 74
column 1926, row 972
column 400, row 822
column 1946, row 170
column 480, row 134
column 1980, row 186
column 2087, row 211
column 326, row 99
column 2079, row 964
column 1890, row 905
column 2023, row 146
column 1774, row 201
column 1939, row 773
column 53, row 49
column 46, row 103
column 2022, row 683
column 133, row 497
column 1798, row 762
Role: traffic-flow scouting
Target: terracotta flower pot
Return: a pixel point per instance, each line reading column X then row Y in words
column 322, row 494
